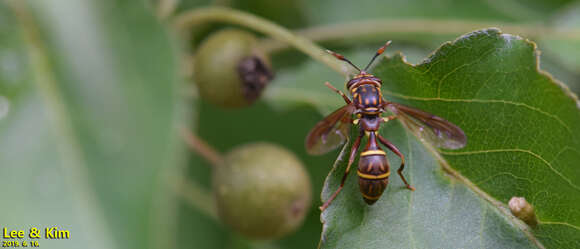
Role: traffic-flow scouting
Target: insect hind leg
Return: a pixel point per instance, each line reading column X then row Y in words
column 394, row 149
column 353, row 151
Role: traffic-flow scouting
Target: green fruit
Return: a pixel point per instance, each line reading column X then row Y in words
column 262, row 191
column 229, row 69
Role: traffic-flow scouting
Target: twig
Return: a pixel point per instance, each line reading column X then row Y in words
column 166, row 8
column 201, row 147
column 391, row 28
column 195, row 17
column 196, row 197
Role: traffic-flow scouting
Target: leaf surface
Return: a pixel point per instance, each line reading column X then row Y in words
column 88, row 136
column 522, row 141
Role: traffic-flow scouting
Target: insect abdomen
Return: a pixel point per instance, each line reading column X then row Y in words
column 373, row 175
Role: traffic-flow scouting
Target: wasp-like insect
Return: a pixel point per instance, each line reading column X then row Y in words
column 368, row 105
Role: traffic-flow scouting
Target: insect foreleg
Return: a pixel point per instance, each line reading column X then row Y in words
column 389, row 118
column 394, row 149
column 353, row 151
column 346, row 99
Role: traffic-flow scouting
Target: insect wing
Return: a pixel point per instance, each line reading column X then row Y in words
column 330, row 132
column 437, row 130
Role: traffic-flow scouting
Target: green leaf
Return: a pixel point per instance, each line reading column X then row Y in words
column 441, row 213
column 87, row 144
column 553, row 24
column 520, row 124
column 521, row 142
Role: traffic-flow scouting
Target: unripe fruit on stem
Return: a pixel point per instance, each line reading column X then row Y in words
column 262, row 191
column 230, row 70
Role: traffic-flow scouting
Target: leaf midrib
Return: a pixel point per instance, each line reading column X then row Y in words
column 535, row 155
column 461, row 179
column 499, row 205
column 487, row 101
column 73, row 163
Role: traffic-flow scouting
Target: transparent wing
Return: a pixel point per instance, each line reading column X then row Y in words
column 330, row 132
column 436, row 130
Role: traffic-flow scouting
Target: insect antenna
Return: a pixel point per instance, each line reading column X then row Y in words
column 341, row 57
column 379, row 52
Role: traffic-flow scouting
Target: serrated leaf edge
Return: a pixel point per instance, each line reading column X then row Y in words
column 445, row 165
column 460, row 178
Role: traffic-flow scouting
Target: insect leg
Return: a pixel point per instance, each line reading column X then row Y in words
column 353, row 152
column 389, row 118
column 346, row 99
column 394, row 149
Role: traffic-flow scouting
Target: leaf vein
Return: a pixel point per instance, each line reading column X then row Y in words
column 502, row 173
column 480, row 192
column 562, row 151
column 459, row 67
column 484, row 101
column 559, row 223
column 447, row 75
column 87, row 207
column 515, row 150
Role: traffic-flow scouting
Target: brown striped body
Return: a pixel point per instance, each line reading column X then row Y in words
column 373, row 167
column 373, row 171
column 368, row 105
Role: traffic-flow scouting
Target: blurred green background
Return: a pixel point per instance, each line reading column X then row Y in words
column 91, row 94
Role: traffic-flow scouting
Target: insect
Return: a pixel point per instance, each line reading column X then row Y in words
column 368, row 104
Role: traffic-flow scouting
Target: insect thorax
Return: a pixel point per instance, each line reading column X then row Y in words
column 361, row 79
column 368, row 99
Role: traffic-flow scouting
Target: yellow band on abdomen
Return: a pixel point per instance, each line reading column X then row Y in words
column 372, row 152
column 370, row 197
column 373, row 177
